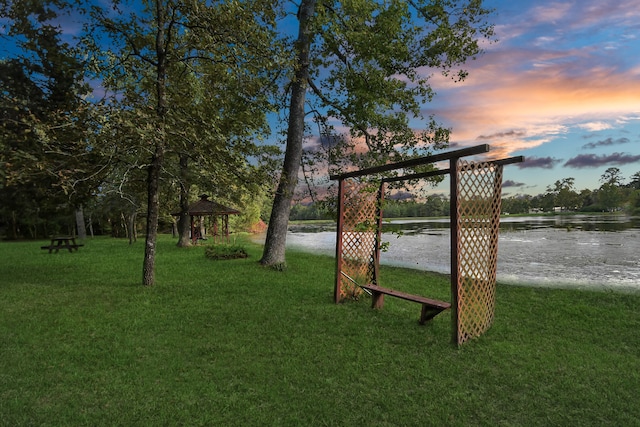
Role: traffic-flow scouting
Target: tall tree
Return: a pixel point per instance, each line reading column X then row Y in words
column 366, row 64
column 635, row 181
column 612, row 176
column 159, row 53
column 274, row 252
column 223, row 117
column 564, row 194
column 610, row 193
column 46, row 122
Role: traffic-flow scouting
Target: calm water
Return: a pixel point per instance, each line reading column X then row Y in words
column 576, row 251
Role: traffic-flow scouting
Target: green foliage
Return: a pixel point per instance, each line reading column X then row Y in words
column 48, row 163
column 310, row 211
column 191, row 86
column 369, row 63
column 434, row 206
column 564, row 194
column 611, row 196
column 225, row 251
column 252, row 206
column 364, row 65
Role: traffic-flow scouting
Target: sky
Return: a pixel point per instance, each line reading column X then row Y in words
column 561, row 86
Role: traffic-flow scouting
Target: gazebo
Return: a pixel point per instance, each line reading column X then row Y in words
column 208, row 208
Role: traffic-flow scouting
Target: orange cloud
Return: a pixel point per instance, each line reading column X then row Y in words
column 544, row 79
column 539, row 104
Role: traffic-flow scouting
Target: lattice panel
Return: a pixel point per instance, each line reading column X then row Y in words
column 359, row 237
column 479, row 200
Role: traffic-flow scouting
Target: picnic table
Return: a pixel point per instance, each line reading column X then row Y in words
column 62, row 242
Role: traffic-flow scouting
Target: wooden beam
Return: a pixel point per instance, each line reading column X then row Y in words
column 464, row 152
column 417, row 175
column 501, row 162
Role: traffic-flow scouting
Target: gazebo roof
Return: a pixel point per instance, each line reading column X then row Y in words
column 208, row 207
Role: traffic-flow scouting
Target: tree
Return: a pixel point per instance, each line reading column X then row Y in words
column 635, row 181
column 544, row 202
column 564, row 194
column 587, row 200
column 437, row 205
column 359, row 61
column 219, row 153
column 274, row 252
column 46, row 122
column 155, row 58
column 610, row 193
column 516, row 205
column 612, row 176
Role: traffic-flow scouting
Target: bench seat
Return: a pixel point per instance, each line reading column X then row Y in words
column 58, row 247
column 430, row 307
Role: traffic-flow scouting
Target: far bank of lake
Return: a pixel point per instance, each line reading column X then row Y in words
column 575, row 251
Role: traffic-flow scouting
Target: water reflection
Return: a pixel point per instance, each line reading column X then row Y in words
column 578, row 250
column 573, row 222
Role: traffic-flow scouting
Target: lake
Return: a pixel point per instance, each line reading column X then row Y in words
column 559, row 251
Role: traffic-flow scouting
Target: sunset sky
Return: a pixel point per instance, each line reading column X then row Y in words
column 561, row 86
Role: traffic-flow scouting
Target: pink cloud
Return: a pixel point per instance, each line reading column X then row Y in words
column 536, row 92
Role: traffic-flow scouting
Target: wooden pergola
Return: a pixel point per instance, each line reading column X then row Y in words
column 208, row 208
column 475, row 205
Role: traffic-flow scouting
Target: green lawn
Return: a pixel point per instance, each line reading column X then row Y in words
column 231, row 343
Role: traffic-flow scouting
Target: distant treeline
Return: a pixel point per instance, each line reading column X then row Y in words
column 611, row 196
column 434, row 206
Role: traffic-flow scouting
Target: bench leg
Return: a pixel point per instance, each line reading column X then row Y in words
column 428, row 313
column 377, row 300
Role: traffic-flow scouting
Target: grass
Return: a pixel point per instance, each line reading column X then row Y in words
column 232, row 343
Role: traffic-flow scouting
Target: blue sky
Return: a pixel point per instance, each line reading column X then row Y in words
column 561, row 86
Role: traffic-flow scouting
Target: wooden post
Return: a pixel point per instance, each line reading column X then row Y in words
column 340, row 225
column 376, row 253
column 377, row 299
column 453, row 214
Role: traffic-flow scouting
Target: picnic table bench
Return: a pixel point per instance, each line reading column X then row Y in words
column 62, row 242
column 430, row 307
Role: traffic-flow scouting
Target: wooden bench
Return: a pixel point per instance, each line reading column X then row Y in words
column 430, row 307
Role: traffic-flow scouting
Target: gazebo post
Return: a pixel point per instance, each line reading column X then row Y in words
column 193, row 231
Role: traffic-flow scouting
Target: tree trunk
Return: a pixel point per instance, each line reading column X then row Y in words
column 80, row 224
column 202, row 231
column 91, row 225
column 131, row 226
column 153, row 213
column 14, row 226
column 155, row 168
column 275, row 243
column 184, row 221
